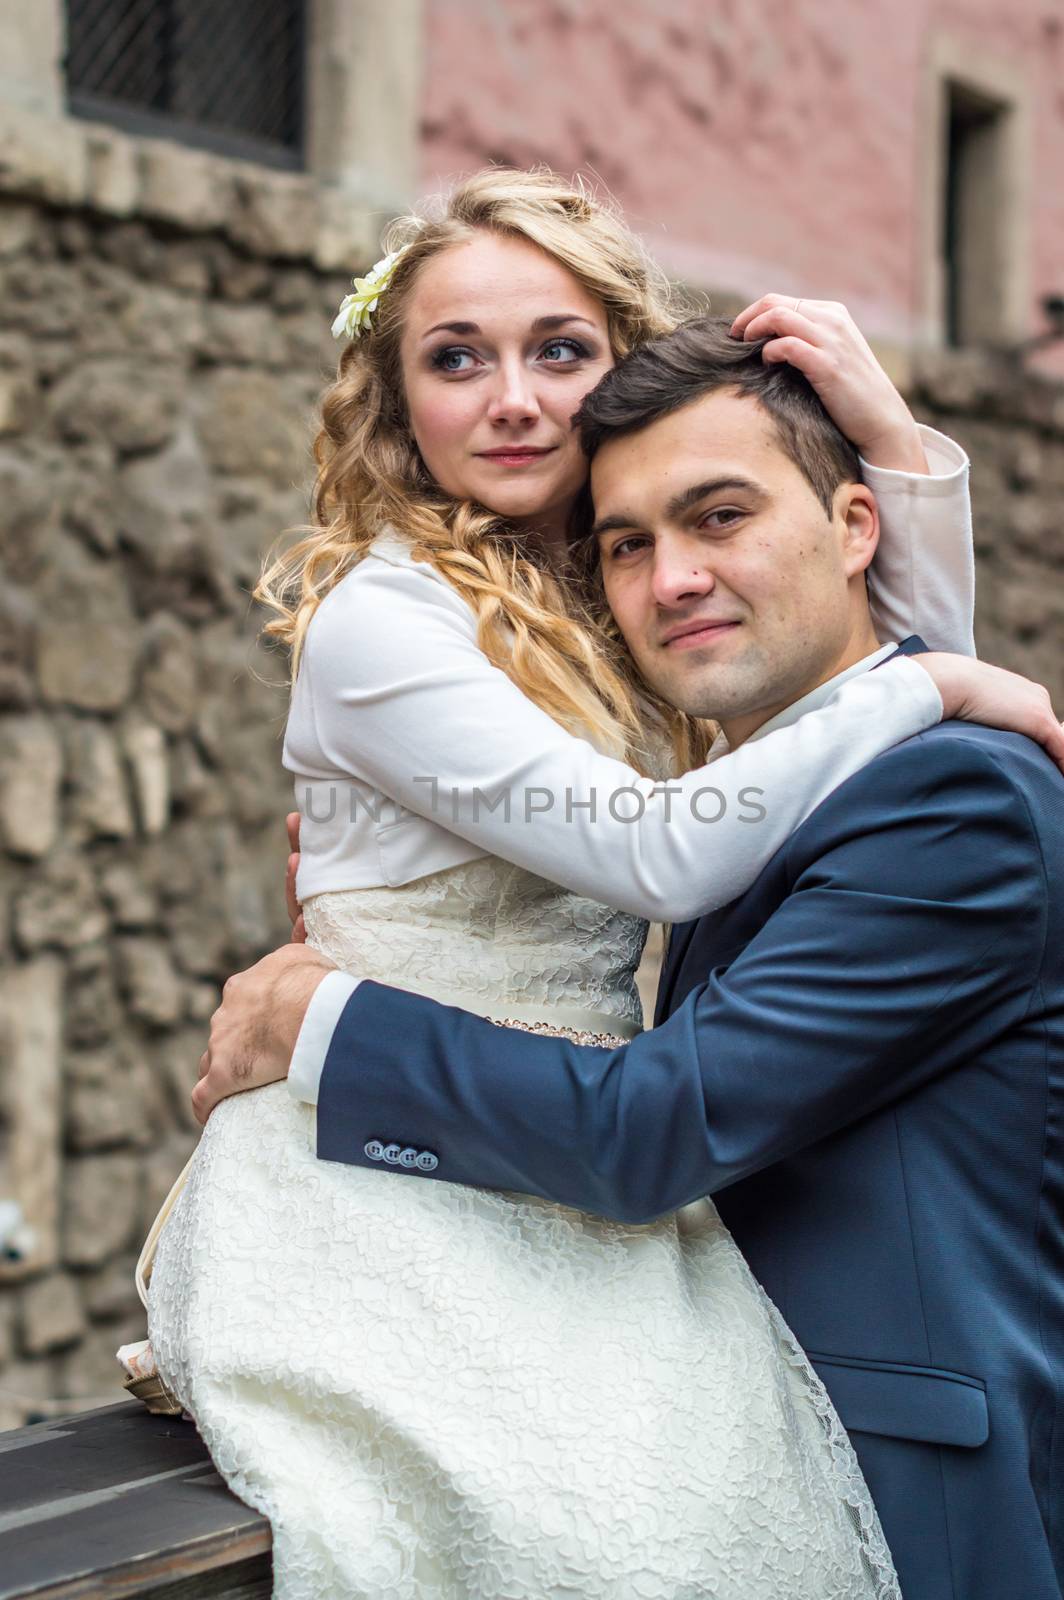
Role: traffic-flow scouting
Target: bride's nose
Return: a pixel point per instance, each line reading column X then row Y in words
column 513, row 398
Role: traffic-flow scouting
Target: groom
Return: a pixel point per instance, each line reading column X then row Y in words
column 861, row 1059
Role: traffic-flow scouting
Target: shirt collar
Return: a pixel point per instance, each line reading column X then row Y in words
column 809, row 702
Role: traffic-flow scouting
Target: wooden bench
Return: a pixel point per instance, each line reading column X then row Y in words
column 118, row 1502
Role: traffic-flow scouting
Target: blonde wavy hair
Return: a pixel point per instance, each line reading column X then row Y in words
column 549, row 631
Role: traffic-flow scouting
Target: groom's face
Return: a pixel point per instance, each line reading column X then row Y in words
column 735, row 590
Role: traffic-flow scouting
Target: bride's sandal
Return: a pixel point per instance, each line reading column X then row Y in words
column 144, row 1382
column 137, row 1360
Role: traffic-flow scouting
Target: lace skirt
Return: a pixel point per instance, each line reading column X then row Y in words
column 436, row 1392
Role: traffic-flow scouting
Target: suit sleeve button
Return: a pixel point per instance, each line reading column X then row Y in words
column 427, row 1161
column 408, row 1156
column 374, row 1149
column 391, row 1153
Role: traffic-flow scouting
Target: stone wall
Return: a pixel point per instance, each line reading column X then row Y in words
column 1011, row 422
column 157, row 390
column 157, row 386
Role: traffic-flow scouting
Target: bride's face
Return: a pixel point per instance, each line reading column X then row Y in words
column 500, row 345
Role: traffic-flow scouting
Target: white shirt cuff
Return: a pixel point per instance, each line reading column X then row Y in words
column 315, row 1035
column 947, row 463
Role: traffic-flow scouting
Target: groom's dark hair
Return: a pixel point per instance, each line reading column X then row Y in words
column 700, row 357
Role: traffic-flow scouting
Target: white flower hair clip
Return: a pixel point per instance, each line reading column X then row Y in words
column 355, row 316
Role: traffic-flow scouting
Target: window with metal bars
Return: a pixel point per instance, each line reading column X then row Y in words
column 224, row 76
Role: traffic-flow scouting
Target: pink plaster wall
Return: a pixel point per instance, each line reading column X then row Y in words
column 756, row 143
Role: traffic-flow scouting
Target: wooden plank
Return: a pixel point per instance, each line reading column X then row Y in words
column 244, row 1580
column 251, row 1581
column 118, row 1502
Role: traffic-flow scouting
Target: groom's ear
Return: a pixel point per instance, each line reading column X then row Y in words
column 857, row 516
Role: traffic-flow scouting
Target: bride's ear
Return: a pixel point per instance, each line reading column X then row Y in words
column 856, row 505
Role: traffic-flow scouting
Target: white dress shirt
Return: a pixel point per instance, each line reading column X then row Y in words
column 393, row 691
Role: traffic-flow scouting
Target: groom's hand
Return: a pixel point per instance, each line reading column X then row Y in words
column 254, row 1030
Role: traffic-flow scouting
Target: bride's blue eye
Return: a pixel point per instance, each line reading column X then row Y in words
column 447, row 359
column 574, row 351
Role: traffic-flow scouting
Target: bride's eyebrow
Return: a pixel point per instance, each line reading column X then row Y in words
column 552, row 324
column 549, row 324
column 465, row 329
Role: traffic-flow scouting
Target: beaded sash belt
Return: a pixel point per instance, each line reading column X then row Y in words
column 604, row 1041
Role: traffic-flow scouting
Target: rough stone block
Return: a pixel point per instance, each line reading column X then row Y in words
column 51, row 1314
column 59, row 906
column 110, row 1291
column 150, row 980
column 18, row 402
column 193, row 787
column 94, row 1013
column 131, row 900
column 17, row 623
column 107, row 1101
column 31, row 768
column 144, row 747
column 28, row 505
column 43, row 156
column 346, row 239
column 112, row 172
column 100, row 804
column 133, row 406
column 186, row 267
column 249, row 428
column 30, row 1094
column 242, row 336
column 87, row 655
column 20, row 226
column 276, row 213
column 192, row 188
column 7, row 1330
column 169, row 680
column 28, row 1391
column 101, row 1202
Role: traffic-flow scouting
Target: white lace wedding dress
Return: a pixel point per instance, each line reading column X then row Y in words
column 436, row 1392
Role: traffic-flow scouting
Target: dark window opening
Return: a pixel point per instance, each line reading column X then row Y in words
column 975, row 215
column 225, row 77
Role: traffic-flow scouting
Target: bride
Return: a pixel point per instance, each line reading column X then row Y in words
column 435, row 1391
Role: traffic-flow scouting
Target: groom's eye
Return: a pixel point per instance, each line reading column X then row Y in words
column 625, row 547
column 721, row 518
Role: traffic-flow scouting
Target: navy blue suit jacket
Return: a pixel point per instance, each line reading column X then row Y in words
column 862, row 1060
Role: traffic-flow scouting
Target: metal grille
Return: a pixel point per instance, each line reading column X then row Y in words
column 227, row 76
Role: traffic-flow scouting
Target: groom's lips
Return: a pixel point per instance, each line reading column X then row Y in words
column 689, row 635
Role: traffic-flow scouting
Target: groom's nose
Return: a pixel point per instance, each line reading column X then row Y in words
column 678, row 573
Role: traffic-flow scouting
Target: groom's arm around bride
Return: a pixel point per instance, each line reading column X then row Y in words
column 863, row 1061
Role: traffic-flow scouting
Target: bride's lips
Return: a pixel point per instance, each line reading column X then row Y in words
column 518, row 456
column 697, row 633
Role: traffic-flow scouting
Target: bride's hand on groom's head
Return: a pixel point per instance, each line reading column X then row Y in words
column 254, row 1030
column 975, row 691
column 295, row 914
column 821, row 339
